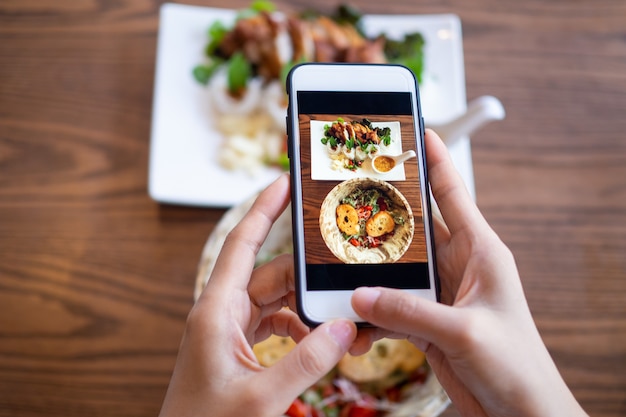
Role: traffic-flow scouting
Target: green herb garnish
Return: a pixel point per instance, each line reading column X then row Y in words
column 203, row 72
column 350, row 143
column 349, row 15
column 239, row 71
column 408, row 52
column 257, row 6
column 217, row 31
column 384, row 135
column 283, row 161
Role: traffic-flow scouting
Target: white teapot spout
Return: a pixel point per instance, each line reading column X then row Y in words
column 480, row 111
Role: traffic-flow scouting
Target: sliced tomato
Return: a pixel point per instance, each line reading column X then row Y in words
column 394, row 394
column 328, row 390
column 382, row 204
column 362, row 411
column 298, row 409
column 354, row 242
column 364, row 214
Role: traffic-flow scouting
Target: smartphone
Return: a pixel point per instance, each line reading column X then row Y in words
column 359, row 190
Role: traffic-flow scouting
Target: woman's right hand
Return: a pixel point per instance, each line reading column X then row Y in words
column 483, row 345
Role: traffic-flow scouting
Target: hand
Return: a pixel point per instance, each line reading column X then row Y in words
column 483, row 346
column 216, row 372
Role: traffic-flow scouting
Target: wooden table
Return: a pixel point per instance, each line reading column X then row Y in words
column 96, row 279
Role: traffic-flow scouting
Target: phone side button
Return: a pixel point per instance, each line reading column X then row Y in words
column 288, row 130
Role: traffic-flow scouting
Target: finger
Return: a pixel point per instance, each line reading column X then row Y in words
column 271, row 284
column 365, row 338
column 447, row 376
column 281, row 323
column 238, row 254
column 310, row 360
column 457, row 207
column 406, row 314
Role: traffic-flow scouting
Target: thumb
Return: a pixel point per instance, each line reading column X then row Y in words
column 311, row 359
column 407, row 314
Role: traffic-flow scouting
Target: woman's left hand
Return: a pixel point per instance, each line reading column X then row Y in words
column 216, row 371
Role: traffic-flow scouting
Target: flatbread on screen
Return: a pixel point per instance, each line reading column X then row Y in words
column 384, row 233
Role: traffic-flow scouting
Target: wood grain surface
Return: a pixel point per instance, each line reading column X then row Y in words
column 96, row 279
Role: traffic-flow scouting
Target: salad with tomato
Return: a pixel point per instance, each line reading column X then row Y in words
column 376, row 218
column 337, row 396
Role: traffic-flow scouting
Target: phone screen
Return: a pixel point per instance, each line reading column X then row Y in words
column 362, row 199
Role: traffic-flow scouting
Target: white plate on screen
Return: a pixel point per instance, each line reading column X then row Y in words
column 322, row 165
column 183, row 158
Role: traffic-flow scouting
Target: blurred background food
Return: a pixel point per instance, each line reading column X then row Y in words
column 391, row 372
column 247, row 60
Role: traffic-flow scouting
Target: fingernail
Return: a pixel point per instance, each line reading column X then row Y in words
column 367, row 296
column 342, row 332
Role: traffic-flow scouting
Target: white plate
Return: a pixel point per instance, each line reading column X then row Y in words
column 183, row 158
